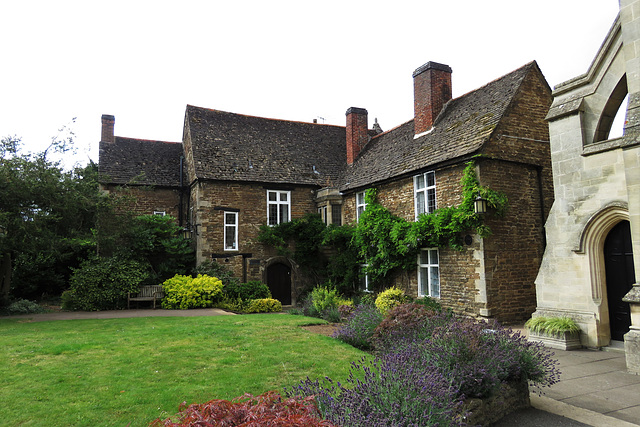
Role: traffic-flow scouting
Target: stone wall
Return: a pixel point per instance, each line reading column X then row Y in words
column 249, row 200
column 147, row 200
column 595, row 181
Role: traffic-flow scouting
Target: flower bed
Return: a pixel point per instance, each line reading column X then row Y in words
column 431, row 368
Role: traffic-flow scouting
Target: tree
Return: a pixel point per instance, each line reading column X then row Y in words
column 47, row 215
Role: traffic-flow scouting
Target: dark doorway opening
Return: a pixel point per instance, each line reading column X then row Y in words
column 618, row 261
column 279, row 282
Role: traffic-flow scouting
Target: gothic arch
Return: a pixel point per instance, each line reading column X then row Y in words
column 591, row 244
column 610, row 110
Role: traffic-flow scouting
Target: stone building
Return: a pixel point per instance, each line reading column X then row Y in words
column 239, row 172
column 593, row 230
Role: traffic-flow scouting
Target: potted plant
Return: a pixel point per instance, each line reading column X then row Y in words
column 562, row 333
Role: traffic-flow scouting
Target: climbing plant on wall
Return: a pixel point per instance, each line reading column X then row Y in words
column 382, row 240
column 388, row 242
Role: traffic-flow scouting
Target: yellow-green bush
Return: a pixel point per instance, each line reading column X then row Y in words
column 184, row 292
column 390, row 298
column 264, row 305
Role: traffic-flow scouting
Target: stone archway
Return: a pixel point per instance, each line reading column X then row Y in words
column 592, row 242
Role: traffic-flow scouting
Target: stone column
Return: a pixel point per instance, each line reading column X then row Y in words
column 632, row 338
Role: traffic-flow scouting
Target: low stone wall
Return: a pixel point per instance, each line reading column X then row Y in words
column 510, row 398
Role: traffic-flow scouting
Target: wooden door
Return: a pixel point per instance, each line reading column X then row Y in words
column 620, row 274
column 279, row 282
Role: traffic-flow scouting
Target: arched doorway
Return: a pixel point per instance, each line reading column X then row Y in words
column 620, row 276
column 279, row 282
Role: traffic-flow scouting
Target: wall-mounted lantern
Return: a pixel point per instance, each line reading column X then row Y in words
column 480, row 205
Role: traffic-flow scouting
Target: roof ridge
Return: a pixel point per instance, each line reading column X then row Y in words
column 147, row 140
column 213, row 110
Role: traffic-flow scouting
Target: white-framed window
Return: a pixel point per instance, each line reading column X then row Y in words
column 428, row 273
column 322, row 210
column 161, row 213
column 361, row 205
column 424, row 192
column 230, row 231
column 364, row 279
column 278, row 207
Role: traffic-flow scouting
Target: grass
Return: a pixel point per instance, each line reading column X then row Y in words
column 131, row 371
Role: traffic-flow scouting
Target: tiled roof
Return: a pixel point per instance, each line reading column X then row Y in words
column 140, row 162
column 463, row 126
column 228, row 146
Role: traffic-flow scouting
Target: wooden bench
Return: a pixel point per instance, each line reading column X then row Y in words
column 146, row 293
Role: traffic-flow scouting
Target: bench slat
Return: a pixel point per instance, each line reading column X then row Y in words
column 146, row 293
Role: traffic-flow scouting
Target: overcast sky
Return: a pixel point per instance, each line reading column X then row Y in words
column 144, row 61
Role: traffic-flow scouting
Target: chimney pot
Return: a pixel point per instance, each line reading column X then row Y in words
column 108, row 122
column 431, row 91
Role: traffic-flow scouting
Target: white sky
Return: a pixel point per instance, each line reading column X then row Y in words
column 144, row 61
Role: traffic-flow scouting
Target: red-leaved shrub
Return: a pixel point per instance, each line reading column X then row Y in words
column 268, row 409
column 399, row 321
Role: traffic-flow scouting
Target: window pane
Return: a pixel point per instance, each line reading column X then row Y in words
column 360, row 198
column 423, row 286
column 283, row 197
column 230, row 237
column 284, row 213
column 434, row 256
column 419, row 182
column 273, row 214
column 424, row 257
column 431, row 179
column 360, row 211
column 336, row 214
column 431, row 199
column 230, row 219
column 435, row 282
column 420, row 203
column 273, row 196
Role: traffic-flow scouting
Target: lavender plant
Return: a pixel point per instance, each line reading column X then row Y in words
column 424, row 369
column 393, row 390
column 359, row 327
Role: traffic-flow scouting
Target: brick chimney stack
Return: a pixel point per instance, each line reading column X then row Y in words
column 357, row 132
column 431, row 90
column 108, row 123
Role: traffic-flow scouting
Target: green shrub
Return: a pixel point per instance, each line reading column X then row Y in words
column 367, row 298
column 246, row 291
column 68, row 300
column 324, row 298
column 215, row 269
column 390, row 298
column 236, row 305
column 264, row 305
column 23, row 306
column 103, row 283
column 184, row 292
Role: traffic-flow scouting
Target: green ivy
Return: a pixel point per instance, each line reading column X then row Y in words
column 388, row 242
column 383, row 240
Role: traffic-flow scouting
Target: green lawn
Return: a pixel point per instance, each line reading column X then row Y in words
column 121, row 371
